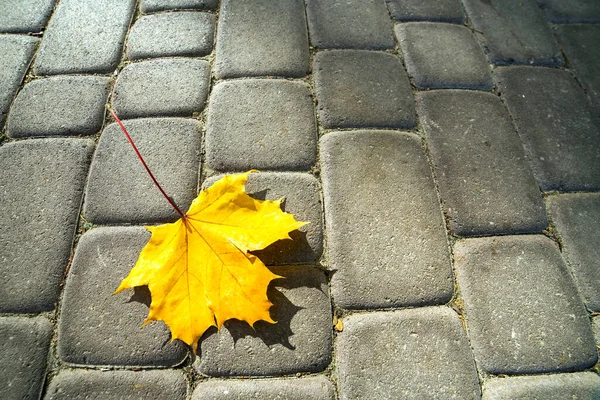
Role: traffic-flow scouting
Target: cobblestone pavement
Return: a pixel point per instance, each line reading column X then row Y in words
column 446, row 153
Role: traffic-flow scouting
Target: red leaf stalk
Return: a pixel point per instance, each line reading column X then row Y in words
column 137, row 152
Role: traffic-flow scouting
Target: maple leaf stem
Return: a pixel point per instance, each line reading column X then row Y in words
column 137, row 152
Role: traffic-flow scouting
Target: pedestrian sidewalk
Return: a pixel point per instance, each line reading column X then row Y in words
column 446, row 154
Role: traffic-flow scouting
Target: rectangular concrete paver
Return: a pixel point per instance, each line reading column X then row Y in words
column 302, row 194
column 572, row 11
column 300, row 341
column 24, row 16
column 40, row 192
column 576, row 217
column 410, row 354
column 580, row 43
column 24, row 345
column 427, row 10
column 513, row 32
column 97, row 328
column 442, row 56
column 166, row 5
column 362, row 89
column 485, row 183
column 17, row 52
column 262, row 124
column 117, row 385
column 162, row 87
column 351, row 24
column 310, row 388
column 84, row 37
column 382, row 255
column 119, row 189
column 59, row 106
column 262, row 37
column 559, row 128
column 187, row 33
column 582, row 385
column 531, row 319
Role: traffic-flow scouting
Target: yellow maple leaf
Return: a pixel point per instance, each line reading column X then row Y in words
column 199, row 269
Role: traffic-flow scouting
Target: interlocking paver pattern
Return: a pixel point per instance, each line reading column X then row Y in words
column 443, row 56
column 409, row 354
column 41, row 186
column 16, row 53
column 531, row 319
column 575, row 217
column 23, row 350
column 59, row 106
column 552, row 113
column 120, row 191
column 362, row 89
column 186, row 33
column 117, row 385
column 583, row 385
column 445, row 154
column 84, row 37
column 262, row 37
column 371, row 244
column 24, row 16
column 579, row 42
column 301, row 340
column 162, row 87
column 513, row 32
column 426, row 10
column 261, row 123
column 97, row 328
column 351, row 24
column 311, row 388
column 484, row 180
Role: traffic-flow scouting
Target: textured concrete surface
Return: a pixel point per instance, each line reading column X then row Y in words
column 162, row 87
column 24, row 350
column 444, row 152
column 317, row 388
column 59, row 106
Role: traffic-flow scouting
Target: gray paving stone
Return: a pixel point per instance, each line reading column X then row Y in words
column 411, row 354
column 262, row 37
column 442, row 56
column 584, row 385
column 97, row 328
column 485, row 183
column 574, row 11
column 119, row 189
column 576, row 217
column 185, row 33
column 26, row 16
column 300, row 341
column 176, row 86
column 302, row 194
column 351, row 24
column 513, row 32
column 596, row 328
column 59, row 106
column 262, row 124
column 362, row 89
column 310, row 388
column 427, row 10
column 165, row 5
column 579, row 42
column 117, row 385
column 84, row 37
column 40, row 191
column 559, row 128
column 16, row 55
column 531, row 319
column 371, row 244
column 23, row 351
